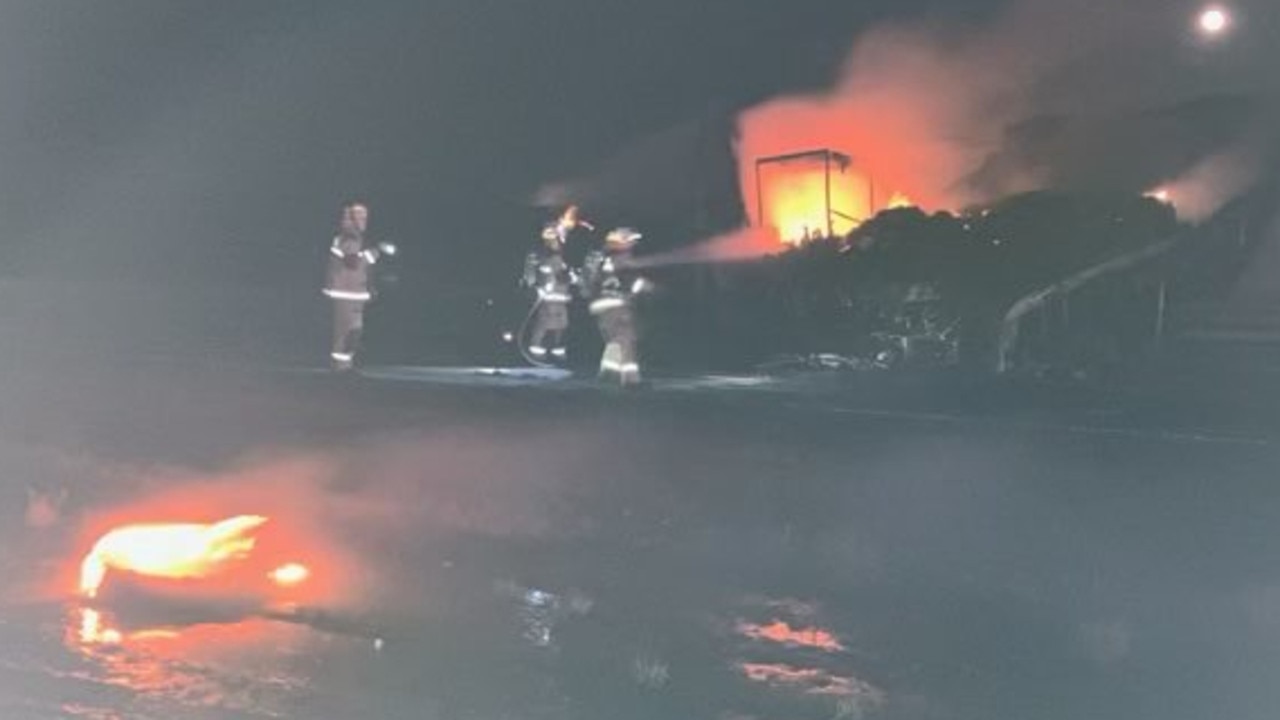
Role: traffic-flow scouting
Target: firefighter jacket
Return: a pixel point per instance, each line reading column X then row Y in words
column 549, row 274
column 350, row 269
column 608, row 285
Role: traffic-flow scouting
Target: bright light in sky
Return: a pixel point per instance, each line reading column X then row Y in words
column 1214, row 21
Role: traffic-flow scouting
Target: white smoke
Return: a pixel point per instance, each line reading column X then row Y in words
column 1217, row 179
column 930, row 109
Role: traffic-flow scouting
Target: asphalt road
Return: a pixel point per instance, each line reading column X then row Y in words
column 715, row 547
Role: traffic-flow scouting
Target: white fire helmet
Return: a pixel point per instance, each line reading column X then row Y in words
column 623, row 237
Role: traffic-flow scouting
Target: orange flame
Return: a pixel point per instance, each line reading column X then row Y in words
column 570, row 220
column 810, row 196
column 290, row 574
column 93, row 631
column 813, row 681
column 178, row 551
column 899, row 200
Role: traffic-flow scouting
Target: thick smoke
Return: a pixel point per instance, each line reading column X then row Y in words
column 1080, row 95
column 910, row 110
column 1047, row 94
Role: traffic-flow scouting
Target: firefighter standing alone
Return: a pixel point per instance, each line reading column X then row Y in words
column 349, row 282
column 612, row 291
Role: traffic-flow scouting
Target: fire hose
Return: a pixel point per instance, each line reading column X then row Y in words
column 523, row 331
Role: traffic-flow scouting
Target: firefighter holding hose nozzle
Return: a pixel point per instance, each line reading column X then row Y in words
column 549, row 275
column 569, row 221
column 612, row 290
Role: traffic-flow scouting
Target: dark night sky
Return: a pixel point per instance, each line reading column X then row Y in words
column 214, row 140
column 183, row 137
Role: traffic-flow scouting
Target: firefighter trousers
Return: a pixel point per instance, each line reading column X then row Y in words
column 348, row 325
column 549, row 326
column 620, row 361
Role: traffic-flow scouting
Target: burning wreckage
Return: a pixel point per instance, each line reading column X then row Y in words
column 836, row 274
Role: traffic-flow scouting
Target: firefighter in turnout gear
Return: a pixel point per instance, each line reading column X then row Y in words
column 612, row 291
column 546, row 272
column 349, row 283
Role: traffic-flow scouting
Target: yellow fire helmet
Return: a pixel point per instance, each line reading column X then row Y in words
column 623, row 237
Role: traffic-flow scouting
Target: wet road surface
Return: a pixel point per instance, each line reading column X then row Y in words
column 697, row 551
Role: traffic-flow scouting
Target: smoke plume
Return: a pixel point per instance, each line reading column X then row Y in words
column 940, row 113
column 1088, row 95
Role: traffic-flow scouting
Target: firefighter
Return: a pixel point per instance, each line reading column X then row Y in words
column 612, row 292
column 349, row 284
column 551, row 277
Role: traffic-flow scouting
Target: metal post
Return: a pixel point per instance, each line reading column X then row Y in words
column 827, row 165
column 759, row 198
column 1162, row 302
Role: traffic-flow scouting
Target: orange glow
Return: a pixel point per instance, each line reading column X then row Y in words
column 1161, row 195
column 570, row 220
column 99, row 627
column 183, row 551
column 229, row 542
column 223, row 553
column 810, row 197
column 812, row 681
column 889, row 147
column 185, row 667
column 899, row 200
column 290, row 574
column 782, row 633
column 95, row 629
column 94, row 632
column 177, row 551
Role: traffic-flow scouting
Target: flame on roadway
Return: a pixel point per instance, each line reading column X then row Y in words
column 178, row 551
column 290, row 574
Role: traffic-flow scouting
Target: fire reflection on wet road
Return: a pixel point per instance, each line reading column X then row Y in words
column 58, row 663
column 550, row 651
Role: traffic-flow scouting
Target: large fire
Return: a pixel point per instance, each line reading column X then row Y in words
column 811, row 195
column 815, row 194
column 180, row 551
